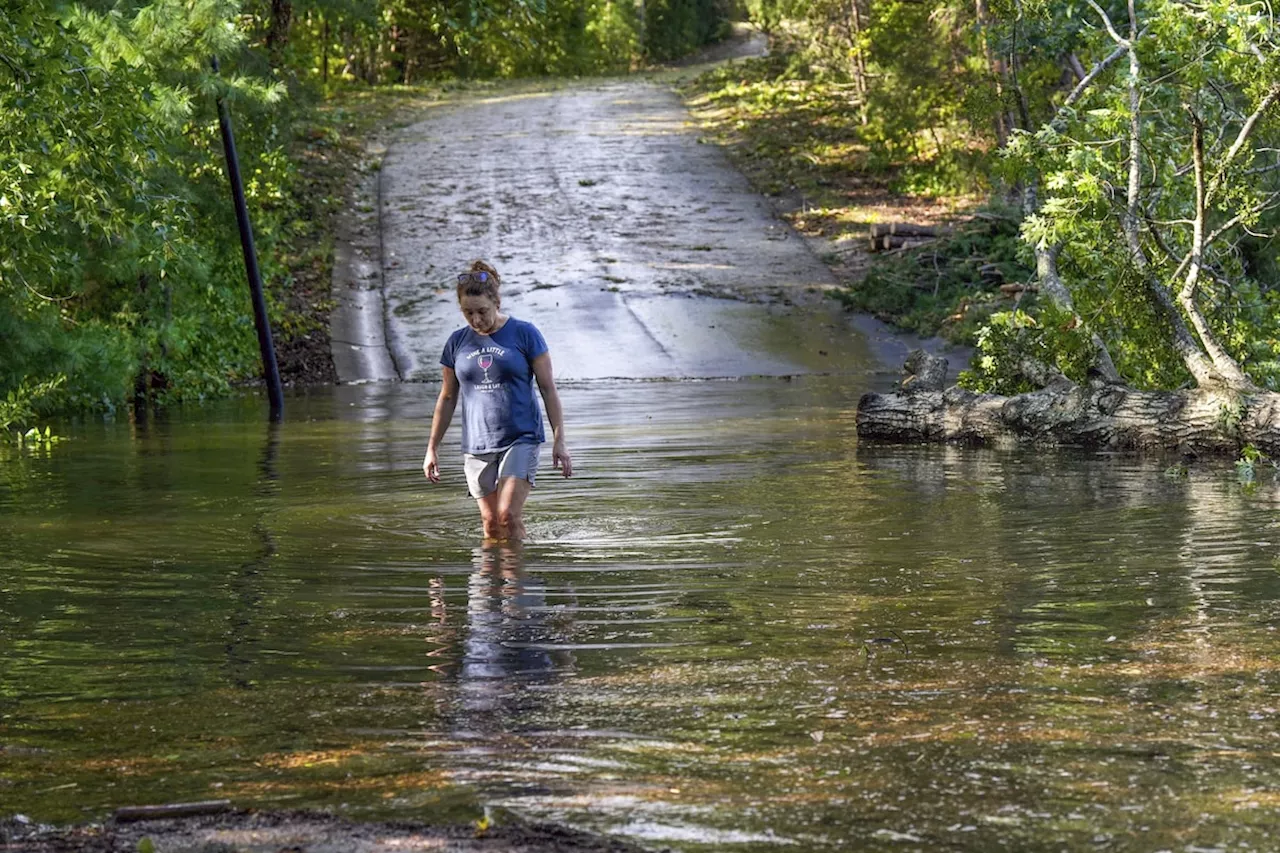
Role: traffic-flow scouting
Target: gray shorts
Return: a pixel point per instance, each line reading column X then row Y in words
column 484, row 470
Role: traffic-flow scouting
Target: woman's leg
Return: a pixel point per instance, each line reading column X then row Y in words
column 512, row 493
column 490, row 517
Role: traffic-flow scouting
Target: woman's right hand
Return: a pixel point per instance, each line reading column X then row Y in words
column 431, row 466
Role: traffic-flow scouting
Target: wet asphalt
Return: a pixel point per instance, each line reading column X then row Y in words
column 637, row 248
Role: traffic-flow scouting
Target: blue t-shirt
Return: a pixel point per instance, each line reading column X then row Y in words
column 499, row 408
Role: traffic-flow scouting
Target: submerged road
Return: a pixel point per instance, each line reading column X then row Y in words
column 640, row 252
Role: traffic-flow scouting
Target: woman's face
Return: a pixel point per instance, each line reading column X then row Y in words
column 481, row 312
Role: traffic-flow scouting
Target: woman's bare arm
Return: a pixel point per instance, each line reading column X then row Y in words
column 440, row 419
column 555, row 413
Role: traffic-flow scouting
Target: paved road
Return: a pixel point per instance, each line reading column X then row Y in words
column 640, row 252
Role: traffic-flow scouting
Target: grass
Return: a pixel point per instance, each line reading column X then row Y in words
column 801, row 140
column 785, row 134
column 949, row 287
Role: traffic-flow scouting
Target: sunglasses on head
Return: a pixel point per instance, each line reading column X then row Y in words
column 475, row 275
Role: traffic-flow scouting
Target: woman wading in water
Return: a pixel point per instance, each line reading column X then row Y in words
column 492, row 362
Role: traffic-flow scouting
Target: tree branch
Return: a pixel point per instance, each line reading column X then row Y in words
column 1205, row 370
column 1168, row 252
column 1227, row 366
column 1106, row 22
column 1262, row 170
column 1197, row 224
column 1076, row 66
column 1246, row 130
column 1043, row 375
column 15, row 68
column 1051, row 285
column 1059, row 122
column 1130, row 218
column 1272, row 201
column 1201, row 368
column 1050, row 280
column 1239, row 217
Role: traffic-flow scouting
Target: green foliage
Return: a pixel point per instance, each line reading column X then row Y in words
column 23, row 404
column 916, row 111
column 120, row 268
column 1231, row 417
column 104, row 260
column 787, row 128
column 673, row 28
column 924, row 92
column 1205, row 64
column 948, row 287
column 409, row 41
column 906, row 71
column 1251, row 458
column 36, row 439
column 1012, row 339
column 556, row 37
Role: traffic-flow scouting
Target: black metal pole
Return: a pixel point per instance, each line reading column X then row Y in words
column 270, row 370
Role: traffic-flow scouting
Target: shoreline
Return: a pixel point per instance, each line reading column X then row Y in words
column 312, row 831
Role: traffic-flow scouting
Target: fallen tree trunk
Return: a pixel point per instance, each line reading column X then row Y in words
column 1097, row 414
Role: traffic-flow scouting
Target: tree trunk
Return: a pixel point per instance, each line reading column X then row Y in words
column 1198, row 364
column 1098, row 414
column 278, row 30
column 885, row 243
column 348, row 54
column 141, row 381
column 324, row 53
column 997, row 72
column 859, row 69
column 1020, row 96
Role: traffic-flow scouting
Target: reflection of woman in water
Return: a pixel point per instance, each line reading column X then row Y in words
column 512, row 639
column 492, row 362
column 508, row 640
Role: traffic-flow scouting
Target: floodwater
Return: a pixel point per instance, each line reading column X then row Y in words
column 736, row 629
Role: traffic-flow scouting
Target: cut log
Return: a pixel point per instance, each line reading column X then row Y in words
column 1097, row 414
column 888, row 242
column 924, row 372
column 1014, row 288
column 129, row 814
column 904, row 229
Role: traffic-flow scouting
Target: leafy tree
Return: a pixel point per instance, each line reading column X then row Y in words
column 1158, row 191
column 119, row 268
column 113, row 259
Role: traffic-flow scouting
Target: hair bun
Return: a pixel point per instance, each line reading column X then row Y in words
column 468, row 286
column 481, row 266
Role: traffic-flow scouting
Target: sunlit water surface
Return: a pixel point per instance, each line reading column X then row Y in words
column 735, row 628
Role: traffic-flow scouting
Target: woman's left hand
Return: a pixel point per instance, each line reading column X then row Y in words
column 560, row 458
